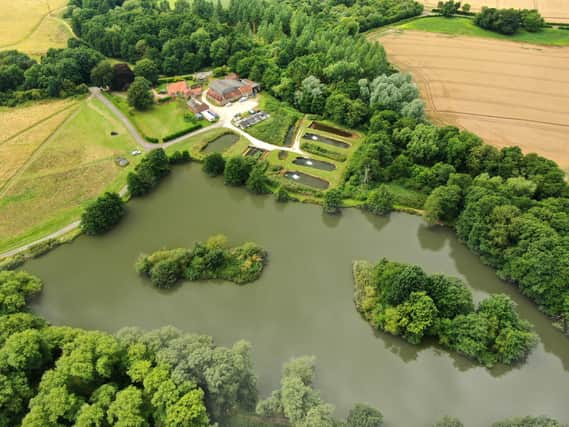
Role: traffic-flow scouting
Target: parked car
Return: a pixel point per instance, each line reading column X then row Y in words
column 243, row 99
column 136, row 152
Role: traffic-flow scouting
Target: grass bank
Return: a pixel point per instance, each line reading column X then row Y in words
column 460, row 26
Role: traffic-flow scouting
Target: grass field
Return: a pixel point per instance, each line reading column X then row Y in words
column 32, row 26
column 158, row 121
column 72, row 163
column 466, row 27
column 274, row 129
column 507, row 93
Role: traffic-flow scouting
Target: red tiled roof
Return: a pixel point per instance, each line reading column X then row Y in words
column 178, row 87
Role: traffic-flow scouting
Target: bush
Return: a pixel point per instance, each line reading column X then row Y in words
column 181, row 132
column 504, row 21
column 103, row 214
column 380, row 201
column 151, row 139
column 164, row 99
column 179, row 157
column 258, row 182
column 214, row 164
column 237, row 171
column 310, row 147
column 332, row 202
column 281, row 195
column 154, row 166
column 447, row 421
column 364, row 416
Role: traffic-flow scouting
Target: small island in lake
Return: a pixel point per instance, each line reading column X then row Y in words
column 403, row 300
column 213, row 259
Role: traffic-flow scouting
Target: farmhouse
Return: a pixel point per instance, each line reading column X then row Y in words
column 179, row 89
column 231, row 88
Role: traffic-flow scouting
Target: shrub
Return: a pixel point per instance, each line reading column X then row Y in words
column 505, row 21
column 332, row 202
column 364, row 416
column 237, row 171
column 103, row 214
column 310, row 147
column 281, row 195
column 178, row 157
column 380, row 201
column 151, row 139
column 214, row 164
column 182, row 132
column 447, row 421
column 154, row 166
column 258, row 182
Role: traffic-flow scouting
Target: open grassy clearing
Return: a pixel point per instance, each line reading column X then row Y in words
column 158, row 121
column 465, row 27
column 274, row 130
column 507, row 93
column 32, row 25
column 72, row 168
column 551, row 10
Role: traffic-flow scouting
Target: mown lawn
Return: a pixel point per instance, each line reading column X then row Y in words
column 158, row 121
column 465, row 27
column 71, row 168
column 274, row 129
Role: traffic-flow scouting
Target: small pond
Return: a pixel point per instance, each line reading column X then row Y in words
column 254, row 152
column 317, row 164
column 330, row 129
column 289, row 136
column 221, row 143
column 305, row 179
column 326, row 140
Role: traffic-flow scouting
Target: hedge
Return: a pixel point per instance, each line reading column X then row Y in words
column 181, row 132
column 151, row 139
column 318, row 150
column 164, row 99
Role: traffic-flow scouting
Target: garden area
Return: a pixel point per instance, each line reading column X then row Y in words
column 160, row 121
column 276, row 129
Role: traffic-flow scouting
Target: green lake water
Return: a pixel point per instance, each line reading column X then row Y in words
column 302, row 305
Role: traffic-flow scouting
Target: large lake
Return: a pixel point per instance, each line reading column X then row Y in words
column 302, row 305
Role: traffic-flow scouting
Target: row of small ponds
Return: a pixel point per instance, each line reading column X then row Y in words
column 224, row 142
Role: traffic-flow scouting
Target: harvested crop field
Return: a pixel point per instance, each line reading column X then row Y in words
column 32, row 26
column 508, row 93
column 551, row 10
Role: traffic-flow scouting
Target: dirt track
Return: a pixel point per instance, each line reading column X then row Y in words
column 551, row 10
column 508, row 93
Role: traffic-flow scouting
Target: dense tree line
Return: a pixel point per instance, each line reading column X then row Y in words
column 61, row 73
column 310, row 54
column 402, row 300
column 213, row 259
column 509, row 21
